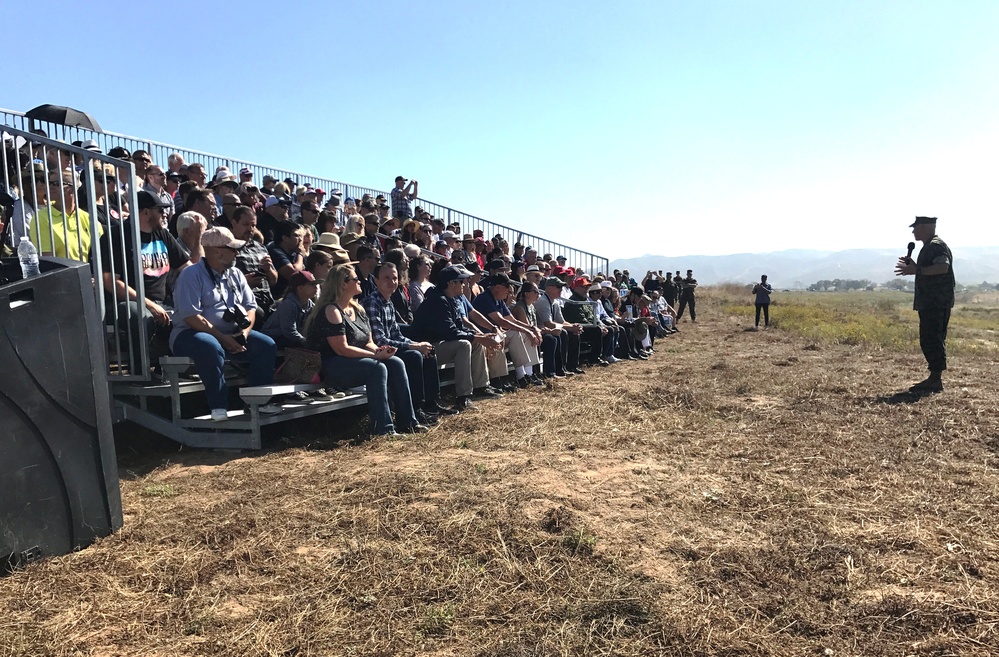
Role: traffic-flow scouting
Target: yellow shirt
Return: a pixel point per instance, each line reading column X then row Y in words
column 75, row 230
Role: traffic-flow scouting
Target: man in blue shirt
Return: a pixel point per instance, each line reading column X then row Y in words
column 215, row 309
column 491, row 303
column 419, row 357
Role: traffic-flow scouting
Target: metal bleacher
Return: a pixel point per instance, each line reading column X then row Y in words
column 156, row 393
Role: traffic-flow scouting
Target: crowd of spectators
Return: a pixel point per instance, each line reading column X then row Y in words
column 383, row 291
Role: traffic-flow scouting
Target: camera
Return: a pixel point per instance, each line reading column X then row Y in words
column 237, row 315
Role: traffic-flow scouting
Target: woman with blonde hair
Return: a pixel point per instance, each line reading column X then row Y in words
column 338, row 329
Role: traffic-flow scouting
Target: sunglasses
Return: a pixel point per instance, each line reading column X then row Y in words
column 351, row 279
column 55, row 183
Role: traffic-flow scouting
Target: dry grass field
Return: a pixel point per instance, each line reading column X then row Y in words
column 741, row 493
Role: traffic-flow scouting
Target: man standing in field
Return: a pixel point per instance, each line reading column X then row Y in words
column 763, row 290
column 687, row 287
column 934, row 297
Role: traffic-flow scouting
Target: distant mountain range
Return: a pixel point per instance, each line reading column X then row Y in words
column 799, row 268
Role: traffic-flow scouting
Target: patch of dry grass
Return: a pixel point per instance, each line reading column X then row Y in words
column 738, row 494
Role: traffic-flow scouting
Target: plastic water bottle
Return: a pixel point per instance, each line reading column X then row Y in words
column 28, row 256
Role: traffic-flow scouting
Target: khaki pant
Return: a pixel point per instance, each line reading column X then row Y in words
column 522, row 352
column 469, row 364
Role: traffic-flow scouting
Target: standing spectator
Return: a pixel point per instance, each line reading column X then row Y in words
column 338, row 329
column 762, row 290
column 214, row 317
column 687, row 287
column 403, row 196
column 933, row 299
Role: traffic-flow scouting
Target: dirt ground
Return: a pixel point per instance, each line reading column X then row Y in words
column 741, row 493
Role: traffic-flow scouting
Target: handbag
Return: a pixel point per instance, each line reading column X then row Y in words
column 299, row 366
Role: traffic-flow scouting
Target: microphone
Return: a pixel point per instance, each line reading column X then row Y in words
column 908, row 256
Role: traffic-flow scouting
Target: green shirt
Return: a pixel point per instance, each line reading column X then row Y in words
column 934, row 291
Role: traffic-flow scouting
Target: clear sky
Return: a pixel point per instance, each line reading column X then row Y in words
column 674, row 128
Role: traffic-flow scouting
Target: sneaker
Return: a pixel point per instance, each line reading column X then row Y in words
column 522, row 382
column 299, row 397
column 537, row 380
column 611, row 360
column 219, row 415
column 270, row 409
column 464, row 404
column 575, row 370
column 321, row 395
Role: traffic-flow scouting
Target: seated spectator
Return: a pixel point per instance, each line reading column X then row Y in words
column 255, row 262
column 578, row 309
column 439, row 321
column 215, row 310
column 229, row 204
column 33, row 192
column 351, row 242
column 410, row 228
column 603, row 319
column 310, row 217
column 63, row 230
column 491, row 303
column 159, row 256
column 287, row 321
column 328, row 223
column 524, row 354
column 370, row 236
column 201, row 201
column 319, row 264
column 286, row 254
column 534, row 275
column 626, row 348
column 645, row 337
column 155, row 183
column 400, row 297
column 276, row 211
column 419, row 282
column 338, row 329
column 186, row 187
column 367, row 260
column 421, row 363
column 549, row 310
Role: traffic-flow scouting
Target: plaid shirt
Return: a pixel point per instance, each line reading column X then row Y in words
column 401, row 202
column 384, row 329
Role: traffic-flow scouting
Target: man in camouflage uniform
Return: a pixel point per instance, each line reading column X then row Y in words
column 934, row 271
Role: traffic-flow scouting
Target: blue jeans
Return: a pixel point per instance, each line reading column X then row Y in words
column 209, row 359
column 379, row 377
column 424, row 377
column 551, row 353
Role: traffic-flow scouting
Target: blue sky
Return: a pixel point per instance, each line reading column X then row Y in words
column 703, row 127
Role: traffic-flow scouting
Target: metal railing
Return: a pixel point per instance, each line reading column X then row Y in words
column 48, row 191
column 592, row 263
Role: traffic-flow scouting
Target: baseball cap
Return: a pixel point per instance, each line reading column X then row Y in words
column 453, row 273
column 301, row 278
column 221, row 237
column 551, row 280
column 147, row 201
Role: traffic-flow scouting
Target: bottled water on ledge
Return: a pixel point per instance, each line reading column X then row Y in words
column 28, row 256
